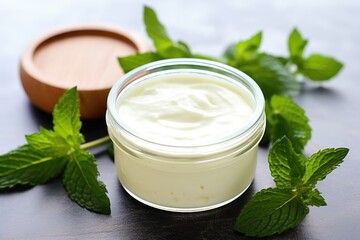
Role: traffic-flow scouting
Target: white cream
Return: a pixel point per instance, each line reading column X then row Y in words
column 185, row 133
column 185, row 109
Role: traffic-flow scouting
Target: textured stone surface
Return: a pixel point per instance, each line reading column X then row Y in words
column 45, row 212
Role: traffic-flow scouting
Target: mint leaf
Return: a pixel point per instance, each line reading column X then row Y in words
column 320, row 164
column 275, row 210
column 164, row 45
column 155, row 30
column 296, row 44
column 314, row 198
column 230, row 54
column 286, row 166
column 48, row 142
column 271, row 211
column 285, row 117
column 272, row 77
column 319, row 67
column 243, row 51
column 247, row 49
column 80, row 181
column 25, row 165
column 185, row 47
column 174, row 52
column 283, row 60
column 66, row 118
column 133, row 61
column 48, row 152
column 315, row 67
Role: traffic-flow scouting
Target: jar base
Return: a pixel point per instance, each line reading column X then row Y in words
column 185, row 209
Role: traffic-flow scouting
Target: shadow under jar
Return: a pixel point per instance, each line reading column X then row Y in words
column 185, row 133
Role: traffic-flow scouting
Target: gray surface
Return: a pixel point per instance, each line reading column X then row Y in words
column 45, row 212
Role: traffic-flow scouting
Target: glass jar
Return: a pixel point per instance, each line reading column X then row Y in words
column 186, row 178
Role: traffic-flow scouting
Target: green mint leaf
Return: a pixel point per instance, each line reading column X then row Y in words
column 165, row 47
column 272, row 77
column 247, row 49
column 155, row 30
column 320, row 68
column 286, row 166
column 314, row 198
column 49, row 154
column 271, row 211
column 282, row 60
column 316, row 67
column 175, row 51
column 296, row 44
column 285, row 117
column 131, row 62
column 243, row 51
column 80, row 181
column 26, row 166
column 320, row 164
column 185, row 47
column 48, row 142
column 66, row 118
column 230, row 54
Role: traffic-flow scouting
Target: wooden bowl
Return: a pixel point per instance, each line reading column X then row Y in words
column 82, row 56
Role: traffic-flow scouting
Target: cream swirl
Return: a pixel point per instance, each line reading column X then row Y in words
column 184, row 109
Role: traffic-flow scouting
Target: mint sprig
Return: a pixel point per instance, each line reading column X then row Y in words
column 59, row 152
column 316, row 67
column 275, row 210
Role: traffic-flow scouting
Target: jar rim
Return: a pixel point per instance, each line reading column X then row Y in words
column 113, row 118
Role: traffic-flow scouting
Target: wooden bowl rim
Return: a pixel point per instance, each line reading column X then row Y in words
column 27, row 64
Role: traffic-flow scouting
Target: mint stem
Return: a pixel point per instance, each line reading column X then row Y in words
column 95, row 143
